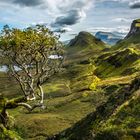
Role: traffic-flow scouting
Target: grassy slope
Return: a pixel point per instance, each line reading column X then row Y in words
column 116, row 119
column 126, row 43
column 8, row 86
column 63, row 108
column 124, row 123
column 118, row 63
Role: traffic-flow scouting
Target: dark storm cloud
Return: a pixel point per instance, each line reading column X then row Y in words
column 72, row 13
column 28, row 3
column 135, row 5
column 70, row 18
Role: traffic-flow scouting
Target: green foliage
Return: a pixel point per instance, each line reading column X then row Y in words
column 27, row 55
column 28, row 42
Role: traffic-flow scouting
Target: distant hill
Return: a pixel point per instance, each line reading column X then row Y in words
column 84, row 46
column 84, row 39
column 108, row 37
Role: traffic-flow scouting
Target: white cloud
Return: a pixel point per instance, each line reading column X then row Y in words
column 55, row 57
column 67, row 29
column 120, row 20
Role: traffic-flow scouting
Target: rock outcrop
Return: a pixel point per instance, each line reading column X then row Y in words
column 135, row 28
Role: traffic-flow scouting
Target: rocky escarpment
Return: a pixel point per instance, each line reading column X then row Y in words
column 133, row 37
column 135, row 28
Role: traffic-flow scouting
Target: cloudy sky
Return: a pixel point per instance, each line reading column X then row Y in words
column 71, row 16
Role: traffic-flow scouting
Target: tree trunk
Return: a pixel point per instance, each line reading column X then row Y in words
column 41, row 93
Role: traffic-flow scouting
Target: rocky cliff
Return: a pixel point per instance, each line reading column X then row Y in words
column 135, row 28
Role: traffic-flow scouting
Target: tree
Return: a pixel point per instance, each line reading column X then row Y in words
column 32, row 56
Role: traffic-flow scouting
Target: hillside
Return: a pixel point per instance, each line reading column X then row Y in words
column 120, row 62
column 117, row 118
column 85, row 39
column 83, row 46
